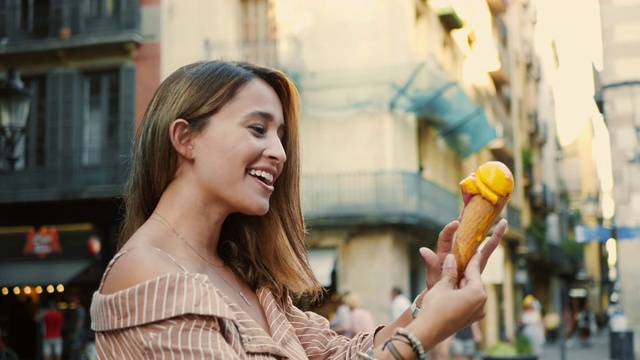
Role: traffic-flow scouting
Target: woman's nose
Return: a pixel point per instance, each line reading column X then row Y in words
column 275, row 150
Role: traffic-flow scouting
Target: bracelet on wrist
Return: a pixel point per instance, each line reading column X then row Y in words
column 415, row 310
column 416, row 345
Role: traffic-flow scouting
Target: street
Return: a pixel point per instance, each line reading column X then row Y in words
column 598, row 350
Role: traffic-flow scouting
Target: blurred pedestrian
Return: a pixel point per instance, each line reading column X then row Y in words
column 78, row 328
column 442, row 351
column 585, row 325
column 361, row 317
column 532, row 324
column 3, row 346
column 341, row 321
column 53, row 322
column 465, row 342
column 568, row 321
column 551, row 325
column 399, row 302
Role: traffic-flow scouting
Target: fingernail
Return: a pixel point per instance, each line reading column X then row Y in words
column 448, row 261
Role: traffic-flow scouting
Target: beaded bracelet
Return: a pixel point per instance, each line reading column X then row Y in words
column 401, row 339
column 416, row 345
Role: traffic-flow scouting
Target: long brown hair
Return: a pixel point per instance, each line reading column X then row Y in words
column 264, row 250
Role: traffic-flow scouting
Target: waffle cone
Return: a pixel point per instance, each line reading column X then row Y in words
column 477, row 218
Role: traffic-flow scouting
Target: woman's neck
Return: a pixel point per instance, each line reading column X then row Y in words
column 197, row 223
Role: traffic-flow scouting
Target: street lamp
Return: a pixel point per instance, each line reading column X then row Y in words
column 14, row 111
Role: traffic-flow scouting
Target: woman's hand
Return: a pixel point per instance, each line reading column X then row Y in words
column 435, row 261
column 450, row 304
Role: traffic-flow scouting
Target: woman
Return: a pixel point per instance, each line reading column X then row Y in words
column 531, row 320
column 213, row 247
column 341, row 322
column 361, row 317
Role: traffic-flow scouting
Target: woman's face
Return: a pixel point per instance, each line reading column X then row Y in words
column 239, row 155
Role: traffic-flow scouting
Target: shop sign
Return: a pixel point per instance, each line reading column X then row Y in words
column 43, row 242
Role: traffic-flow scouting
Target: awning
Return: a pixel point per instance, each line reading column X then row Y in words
column 41, row 272
column 434, row 98
column 323, row 261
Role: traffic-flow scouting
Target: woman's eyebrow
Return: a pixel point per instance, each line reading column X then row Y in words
column 265, row 115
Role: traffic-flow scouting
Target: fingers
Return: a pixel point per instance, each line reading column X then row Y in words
column 445, row 238
column 430, row 258
column 433, row 266
column 449, row 271
column 493, row 243
column 473, row 285
column 472, row 271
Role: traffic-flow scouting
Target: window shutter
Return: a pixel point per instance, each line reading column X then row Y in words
column 127, row 106
column 33, row 134
column 63, row 124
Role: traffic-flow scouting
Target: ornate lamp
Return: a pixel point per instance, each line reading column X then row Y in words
column 14, row 111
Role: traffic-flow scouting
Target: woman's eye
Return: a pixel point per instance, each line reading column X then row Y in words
column 258, row 129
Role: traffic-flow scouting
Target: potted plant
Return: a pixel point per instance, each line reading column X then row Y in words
column 521, row 350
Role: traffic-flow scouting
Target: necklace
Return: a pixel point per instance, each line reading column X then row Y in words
column 213, row 266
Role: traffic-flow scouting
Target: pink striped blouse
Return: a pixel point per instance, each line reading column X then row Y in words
column 183, row 316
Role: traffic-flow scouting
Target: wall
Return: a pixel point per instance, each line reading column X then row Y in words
column 203, row 30
column 622, row 115
column 373, row 263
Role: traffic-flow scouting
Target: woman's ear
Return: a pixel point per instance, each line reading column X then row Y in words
column 182, row 138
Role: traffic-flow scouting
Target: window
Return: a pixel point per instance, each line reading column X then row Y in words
column 34, row 17
column 100, row 116
column 101, row 9
column 258, row 31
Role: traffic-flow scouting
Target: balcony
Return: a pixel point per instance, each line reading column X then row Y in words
column 378, row 198
column 68, row 175
column 503, row 146
column 542, row 198
column 50, row 26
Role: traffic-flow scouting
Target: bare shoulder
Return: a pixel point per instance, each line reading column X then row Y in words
column 137, row 265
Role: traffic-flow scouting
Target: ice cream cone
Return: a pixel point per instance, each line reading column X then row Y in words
column 477, row 218
column 485, row 193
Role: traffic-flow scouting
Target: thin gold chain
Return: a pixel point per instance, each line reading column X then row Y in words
column 213, row 266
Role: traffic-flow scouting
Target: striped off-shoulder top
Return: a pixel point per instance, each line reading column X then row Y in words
column 183, row 316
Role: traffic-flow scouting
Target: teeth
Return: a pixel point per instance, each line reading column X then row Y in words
column 263, row 174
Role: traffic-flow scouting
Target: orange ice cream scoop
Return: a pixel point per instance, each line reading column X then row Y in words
column 485, row 193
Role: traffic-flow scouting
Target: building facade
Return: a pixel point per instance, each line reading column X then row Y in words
column 619, row 90
column 87, row 65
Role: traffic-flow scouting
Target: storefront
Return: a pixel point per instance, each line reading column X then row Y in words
column 62, row 262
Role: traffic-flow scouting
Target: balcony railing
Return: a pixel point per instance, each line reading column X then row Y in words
column 377, row 198
column 68, row 22
column 67, row 176
column 384, row 198
column 542, row 197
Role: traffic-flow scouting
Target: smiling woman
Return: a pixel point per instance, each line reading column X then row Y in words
column 212, row 249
